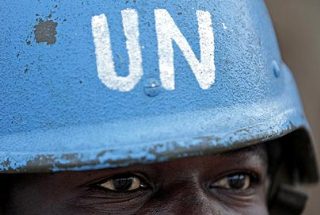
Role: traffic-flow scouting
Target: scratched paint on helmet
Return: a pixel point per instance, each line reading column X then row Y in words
column 65, row 74
column 59, row 111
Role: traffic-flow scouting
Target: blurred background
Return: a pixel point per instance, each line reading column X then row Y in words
column 297, row 24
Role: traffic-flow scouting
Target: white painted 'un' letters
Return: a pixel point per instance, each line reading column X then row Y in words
column 167, row 33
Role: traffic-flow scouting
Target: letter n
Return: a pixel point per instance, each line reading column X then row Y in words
column 167, row 32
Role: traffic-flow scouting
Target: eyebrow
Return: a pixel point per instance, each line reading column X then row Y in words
column 258, row 150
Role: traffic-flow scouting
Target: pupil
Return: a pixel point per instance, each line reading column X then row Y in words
column 236, row 181
column 122, row 184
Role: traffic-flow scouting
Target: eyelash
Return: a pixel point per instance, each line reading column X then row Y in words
column 254, row 175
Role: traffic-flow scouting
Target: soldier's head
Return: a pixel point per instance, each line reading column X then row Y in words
column 148, row 107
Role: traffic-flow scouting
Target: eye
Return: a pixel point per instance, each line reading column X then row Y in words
column 123, row 183
column 238, row 181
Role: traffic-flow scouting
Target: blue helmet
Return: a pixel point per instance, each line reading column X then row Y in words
column 99, row 84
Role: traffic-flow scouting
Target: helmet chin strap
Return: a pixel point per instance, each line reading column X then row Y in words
column 283, row 198
column 288, row 201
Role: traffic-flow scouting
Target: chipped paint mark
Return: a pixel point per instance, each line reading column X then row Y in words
column 224, row 26
column 73, row 157
column 45, row 32
column 26, row 69
column 41, row 160
column 102, row 153
column 6, row 164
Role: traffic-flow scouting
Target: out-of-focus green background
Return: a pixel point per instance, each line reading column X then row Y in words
column 297, row 23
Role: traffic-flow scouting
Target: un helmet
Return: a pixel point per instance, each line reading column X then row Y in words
column 102, row 84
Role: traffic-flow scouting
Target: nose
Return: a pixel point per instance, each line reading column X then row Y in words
column 184, row 199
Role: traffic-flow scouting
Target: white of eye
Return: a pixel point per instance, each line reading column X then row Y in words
column 122, row 184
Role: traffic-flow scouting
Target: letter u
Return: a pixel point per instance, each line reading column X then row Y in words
column 103, row 50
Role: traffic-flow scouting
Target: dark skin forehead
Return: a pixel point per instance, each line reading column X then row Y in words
column 176, row 187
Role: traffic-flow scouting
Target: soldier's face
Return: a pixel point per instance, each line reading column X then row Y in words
column 232, row 183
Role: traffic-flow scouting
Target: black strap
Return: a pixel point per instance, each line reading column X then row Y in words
column 288, row 201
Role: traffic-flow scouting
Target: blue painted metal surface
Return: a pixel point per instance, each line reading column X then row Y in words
column 57, row 115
